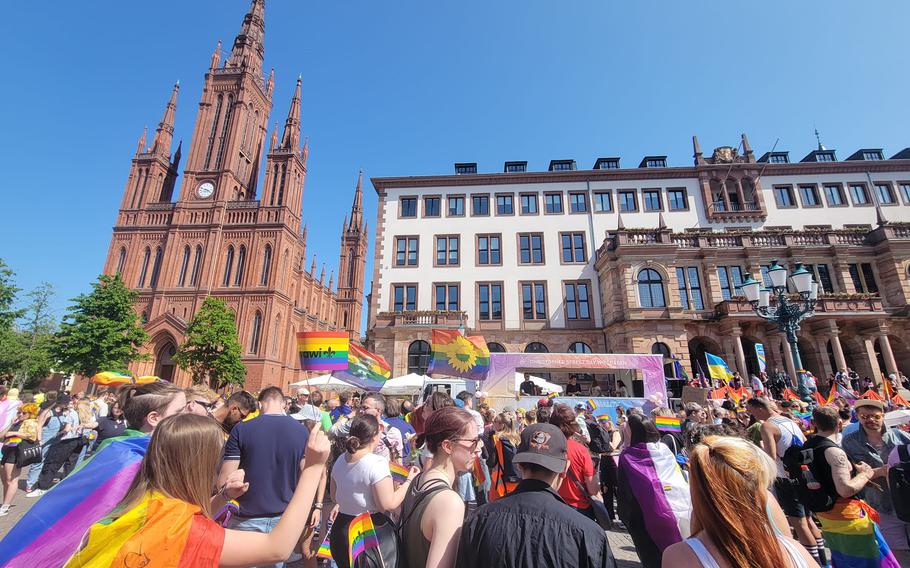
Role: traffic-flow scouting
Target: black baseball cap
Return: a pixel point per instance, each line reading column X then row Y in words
column 544, row 445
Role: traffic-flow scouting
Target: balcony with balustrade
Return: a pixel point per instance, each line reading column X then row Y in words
column 422, row 319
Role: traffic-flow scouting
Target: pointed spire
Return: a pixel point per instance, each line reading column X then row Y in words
column 661, row 224
column 344, row 228
column 357, row 206
column 248, row 50
column 818, row 139
column 620, row 226
column 331, row 279
column 305, row 231
column 175, row 161
column 313, row 266
column 322, row 274
column 747, row 149
column 305, row 151
column 270, row 85
column 290, row 138
column 216, row 56
column 165, row 131
column 273, row 143
column 696, row 151
column 141, row 147
column 880, row 216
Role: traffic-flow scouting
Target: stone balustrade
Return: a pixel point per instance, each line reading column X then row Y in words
column 438, row 319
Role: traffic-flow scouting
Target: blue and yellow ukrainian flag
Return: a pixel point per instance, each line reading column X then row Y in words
column 717, row 368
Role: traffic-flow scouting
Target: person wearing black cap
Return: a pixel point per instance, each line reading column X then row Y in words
column 533, row 526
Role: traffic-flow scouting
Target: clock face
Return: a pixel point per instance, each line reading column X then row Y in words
column 205, row 189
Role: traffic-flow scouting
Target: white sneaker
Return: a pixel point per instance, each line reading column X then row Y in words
column 36, row 493
column 4, row 510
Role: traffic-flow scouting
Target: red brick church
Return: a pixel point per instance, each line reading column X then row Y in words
column 226, row 237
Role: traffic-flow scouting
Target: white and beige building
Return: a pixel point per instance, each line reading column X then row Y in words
column 648, row 259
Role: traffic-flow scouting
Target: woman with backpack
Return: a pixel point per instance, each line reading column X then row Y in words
column 501, row 447
column 432, row 512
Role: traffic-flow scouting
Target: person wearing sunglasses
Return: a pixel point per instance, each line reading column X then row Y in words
column 234, row 410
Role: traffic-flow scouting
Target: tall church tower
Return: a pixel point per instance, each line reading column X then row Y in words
column 351, row 266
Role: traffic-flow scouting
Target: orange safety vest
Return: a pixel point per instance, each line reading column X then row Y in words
column 499, row 485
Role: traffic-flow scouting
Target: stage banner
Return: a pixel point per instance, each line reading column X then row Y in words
column 323, row 350
column 760, row 355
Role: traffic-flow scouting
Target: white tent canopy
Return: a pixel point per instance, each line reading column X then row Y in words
column 323, row 382
column 406, row 385
column 544, row 385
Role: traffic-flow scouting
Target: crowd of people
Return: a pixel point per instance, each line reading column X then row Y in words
column 192, row 477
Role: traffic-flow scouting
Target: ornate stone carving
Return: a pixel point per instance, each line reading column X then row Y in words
column 724, row 155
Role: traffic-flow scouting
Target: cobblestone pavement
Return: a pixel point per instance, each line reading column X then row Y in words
column 620, row 541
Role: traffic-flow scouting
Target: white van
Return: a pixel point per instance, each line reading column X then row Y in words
column 450, row 386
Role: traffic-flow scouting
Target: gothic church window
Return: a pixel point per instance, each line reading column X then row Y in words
column 156, row 268
column 241, row 264
column 197, row 265
column 215, row 121
column 145, row 267
column 121, row 260
column 256, row 332
column 181, row 281
column 228, row 266
column 266, row 265
column 224, row 130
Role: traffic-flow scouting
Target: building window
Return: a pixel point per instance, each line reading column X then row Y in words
column 731, row 278
column 156, row 268
column 578, row 300
column 516, row 167
column 461, row 169
column 863, row 278
column 489, row 297
column 651, row 199
column 824, row 156
column 431, row 206
column 809, row 196
column 488, row 249
column 447, row 250
column 530, row 247
column 872, row 155
column 504, row 205
column 184, row 266
column 778, row 159
column 578, row 202
column 561, row 166
column 121, row 261
column 404, row 297
column 822, row 276
column 145, row 266
column 602, row 202
column 419, row 354
column 480, row 205
column 905, row 191
column 627, row 202
column 536, row 347
column 266, row 265
column 256, row 333
column 446, row 297
column 406, row 251
column 528, row 204
column 677, row 200
column 241, row 264
column 573, row 247
column 834, row 193
column 885, row 194
column 651, row 289
column 656, row 163
column 408, row 207
column 580, row 347
column 496, row 347
column 533, row 301
column 552, row 202
column 197, row 266
column 783, row 194
column 689, row 286
column 859, row 194
column 228, row 267
column 456, row 206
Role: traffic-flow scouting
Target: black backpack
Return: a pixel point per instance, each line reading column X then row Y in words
column 802, row 463
column 600, row 438
column 899, row 481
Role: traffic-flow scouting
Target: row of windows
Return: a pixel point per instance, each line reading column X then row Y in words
column 836, row 196
column 233, row 272
column 573, row 249
column 600, row 201
column 420, row 351
column 446, row 296
column 230, row 268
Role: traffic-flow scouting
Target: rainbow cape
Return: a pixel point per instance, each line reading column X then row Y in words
column 361, row 536
column 667, row 424
column 323, row 350
column 159, row 531
column 52, row 529
column 459, row 356
column 852, row 534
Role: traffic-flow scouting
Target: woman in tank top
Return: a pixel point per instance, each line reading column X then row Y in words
column 728, row 478
column 432, row 513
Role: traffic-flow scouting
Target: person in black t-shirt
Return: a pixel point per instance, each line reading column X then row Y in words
column 527, row 386
column 573, row 388
column 111, row 425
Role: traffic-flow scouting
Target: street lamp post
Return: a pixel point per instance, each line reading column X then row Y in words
column 785, row 312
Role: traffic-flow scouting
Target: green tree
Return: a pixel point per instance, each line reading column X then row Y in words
column 211, row 352
column 36, row 333
column 101, row 330
column 11, row 348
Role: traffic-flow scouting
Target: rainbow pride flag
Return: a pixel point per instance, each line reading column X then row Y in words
column 591, row 404
column 53, row 528
column 361, row 536
column 399, row 472
column 159, row 531
column 366, row 369
column 667, row 424
column 323, row 350
column 552, row 395
column 325, row 550
column 459, row 356
column 603, row 418
column 111, row 379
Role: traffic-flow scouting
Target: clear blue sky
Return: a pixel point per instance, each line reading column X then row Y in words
column 409, row 87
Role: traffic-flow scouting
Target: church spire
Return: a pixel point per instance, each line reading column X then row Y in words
column 216, row 56
column 357, row 206
column 248, row 50
column 290, row 138
column 140, row 148
column 305, row 151
column 165, row 132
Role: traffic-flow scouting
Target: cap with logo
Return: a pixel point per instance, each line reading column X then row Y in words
column 544, row 445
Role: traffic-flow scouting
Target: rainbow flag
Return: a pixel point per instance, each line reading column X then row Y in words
column 603, row 418
column 591, row 404
column 806, row 418
column 53, row 528
column 111, row 379
column 325, row 550
column 789, row 395
column 459, row 356
column 717, row 368
column 667, row 424
column 852, row 533
column 159, row 531
column 477, row 471
column 552, row 395
column 399, row 472
column 366, row 369
column 323, row 350
column 361, row 536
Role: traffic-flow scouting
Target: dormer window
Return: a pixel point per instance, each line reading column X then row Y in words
column 778, row 159
column 872, row 155
column 607, row 164
column 461, row 169
column 562, row 165
column 653, row 162
column 824, row 157
column 515, row 167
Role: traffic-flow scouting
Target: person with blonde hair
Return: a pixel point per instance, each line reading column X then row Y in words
column 501, row 445
column 23, row 429
column 729, row 479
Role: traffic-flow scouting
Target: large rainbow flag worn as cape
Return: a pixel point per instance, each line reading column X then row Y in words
column 459, row 356
column 159, row 531
column 52, row 530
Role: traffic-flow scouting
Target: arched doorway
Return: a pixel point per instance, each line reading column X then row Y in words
column 663, row 350
column 164, row 362
column 752, row 366
column 698, row 346
column 808, row 353
column 901, row 354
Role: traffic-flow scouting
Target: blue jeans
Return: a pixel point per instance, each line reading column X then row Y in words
column 263, row 525
column 35, row 469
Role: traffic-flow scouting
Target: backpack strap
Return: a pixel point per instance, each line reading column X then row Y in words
column 430, row 489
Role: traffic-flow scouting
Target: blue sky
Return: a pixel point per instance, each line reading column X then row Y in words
column 410, row 87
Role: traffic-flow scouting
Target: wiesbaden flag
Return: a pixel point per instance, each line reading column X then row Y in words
column 717, row 368
column 323, row 350
column 459, row 356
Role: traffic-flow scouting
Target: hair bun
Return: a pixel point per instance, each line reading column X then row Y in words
column 352, row 444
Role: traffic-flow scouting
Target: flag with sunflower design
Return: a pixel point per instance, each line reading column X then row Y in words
column 459, row 356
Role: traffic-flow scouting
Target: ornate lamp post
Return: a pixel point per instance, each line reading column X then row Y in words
column 787, row 313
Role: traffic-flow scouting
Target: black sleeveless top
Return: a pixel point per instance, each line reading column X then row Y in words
column 416, row 546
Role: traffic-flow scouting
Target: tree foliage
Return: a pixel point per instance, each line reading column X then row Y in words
column 101, row 330
column 212, row 351
column 11, row 348
column 36, row 333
